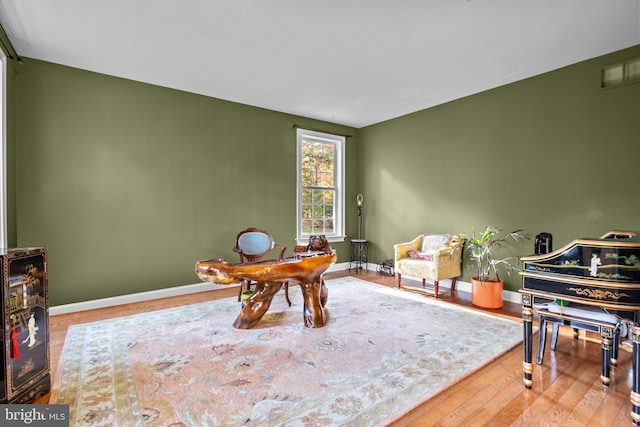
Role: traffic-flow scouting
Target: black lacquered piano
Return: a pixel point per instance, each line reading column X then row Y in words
column 594, row 272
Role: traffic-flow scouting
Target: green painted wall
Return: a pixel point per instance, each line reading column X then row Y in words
column 551, row 153
column 129, row 184
column 10, row 154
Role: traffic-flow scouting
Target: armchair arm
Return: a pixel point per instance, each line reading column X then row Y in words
column 457, row 244
column 452, row 253
column 282, row 249
column 402, row 249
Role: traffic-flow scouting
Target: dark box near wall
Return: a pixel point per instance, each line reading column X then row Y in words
column 24, row 339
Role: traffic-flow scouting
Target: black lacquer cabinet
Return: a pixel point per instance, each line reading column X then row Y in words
column 24, row 357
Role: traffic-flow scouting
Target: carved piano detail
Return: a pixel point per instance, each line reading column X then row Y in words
column 602, row 272
column 599, row 294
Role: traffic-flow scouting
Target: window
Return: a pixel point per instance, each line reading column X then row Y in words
column 623, row 72
column 320, row 197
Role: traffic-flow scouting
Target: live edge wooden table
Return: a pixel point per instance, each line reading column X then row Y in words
column 305, row 269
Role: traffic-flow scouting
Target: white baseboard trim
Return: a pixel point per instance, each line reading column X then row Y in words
column 137, row 297
column 205, row 286
column 507, row 295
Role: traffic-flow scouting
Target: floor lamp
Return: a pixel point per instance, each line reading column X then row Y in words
column 359, row 201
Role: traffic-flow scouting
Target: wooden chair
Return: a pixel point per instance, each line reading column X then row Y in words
column 252, row 244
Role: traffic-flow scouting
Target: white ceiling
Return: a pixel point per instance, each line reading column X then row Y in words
column 352, row 62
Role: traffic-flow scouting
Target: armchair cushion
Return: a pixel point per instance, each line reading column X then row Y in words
column 421, row 255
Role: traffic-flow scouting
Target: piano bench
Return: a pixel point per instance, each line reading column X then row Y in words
column 587, row 318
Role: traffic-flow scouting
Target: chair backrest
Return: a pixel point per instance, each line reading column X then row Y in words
column 432, row 242
column 252, row 244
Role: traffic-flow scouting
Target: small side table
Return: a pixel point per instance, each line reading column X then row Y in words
column 359, row 254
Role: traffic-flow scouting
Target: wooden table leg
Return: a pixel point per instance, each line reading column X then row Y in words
column 315, row 296
column 255, row 307
column 527, row 318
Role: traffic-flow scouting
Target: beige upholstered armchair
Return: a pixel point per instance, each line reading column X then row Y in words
column 430, row 256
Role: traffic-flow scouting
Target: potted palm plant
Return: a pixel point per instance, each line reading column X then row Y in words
column 486, row 286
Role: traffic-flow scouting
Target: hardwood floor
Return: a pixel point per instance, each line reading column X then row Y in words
column 566, row 387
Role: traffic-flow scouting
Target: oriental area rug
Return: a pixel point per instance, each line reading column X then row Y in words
column 381, row 353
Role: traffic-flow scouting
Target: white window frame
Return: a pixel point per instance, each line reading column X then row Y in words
column 339, row 168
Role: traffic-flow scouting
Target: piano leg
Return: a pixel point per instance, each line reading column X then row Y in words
column 527, row 321
column 635, row 392
column 607, row 335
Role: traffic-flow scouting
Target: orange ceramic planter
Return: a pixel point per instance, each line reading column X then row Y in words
column 487, row 294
